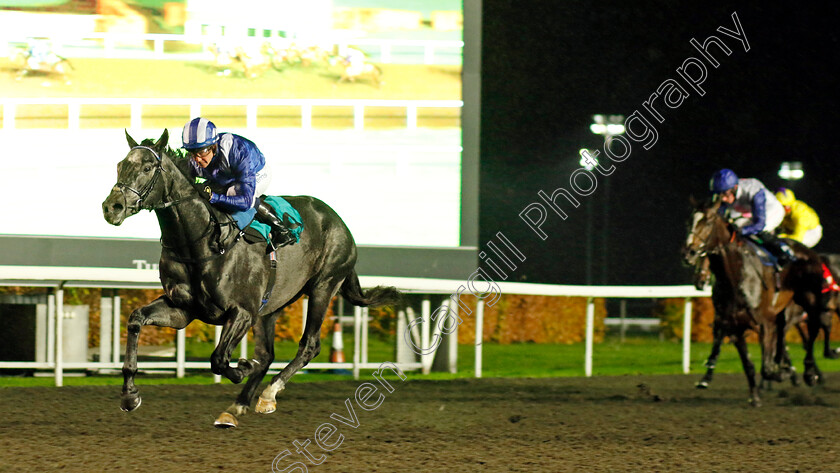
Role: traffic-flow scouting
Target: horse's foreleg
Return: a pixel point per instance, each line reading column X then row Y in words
column 160, row 312
column 308, row 348
column 802, row 335
column 264, row 355
column 749, row 369
column 237, row 323
column 717, row 331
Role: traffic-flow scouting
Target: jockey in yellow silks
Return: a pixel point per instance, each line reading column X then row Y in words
column 801, row 223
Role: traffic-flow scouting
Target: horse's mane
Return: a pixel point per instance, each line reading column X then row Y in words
column 177, row 156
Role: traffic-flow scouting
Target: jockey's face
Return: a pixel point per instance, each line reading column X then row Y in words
column 203, row 156
column 729, row 196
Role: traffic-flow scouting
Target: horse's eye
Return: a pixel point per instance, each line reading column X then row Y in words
column 147, row 169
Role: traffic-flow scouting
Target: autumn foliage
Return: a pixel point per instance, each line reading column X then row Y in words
column 508, row 319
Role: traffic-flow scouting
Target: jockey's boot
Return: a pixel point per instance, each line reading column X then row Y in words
column 280, row 233
column 778, row 248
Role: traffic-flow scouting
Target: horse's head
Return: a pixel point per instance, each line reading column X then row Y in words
column 707, row 230
column 138, row 180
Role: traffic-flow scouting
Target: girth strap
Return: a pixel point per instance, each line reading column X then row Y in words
column 271, row 278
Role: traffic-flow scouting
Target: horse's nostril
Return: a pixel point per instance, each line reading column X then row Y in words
column 112, row 208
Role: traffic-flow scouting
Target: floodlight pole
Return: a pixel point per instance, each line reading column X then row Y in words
column 608, row 127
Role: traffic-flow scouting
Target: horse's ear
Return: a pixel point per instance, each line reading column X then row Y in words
column 131, row 142
column 693, row 202
column 163, row 140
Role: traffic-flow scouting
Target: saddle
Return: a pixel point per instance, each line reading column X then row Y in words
column 254, row 231
column 764, row 255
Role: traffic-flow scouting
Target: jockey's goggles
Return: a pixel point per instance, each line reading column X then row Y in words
column 201, row 152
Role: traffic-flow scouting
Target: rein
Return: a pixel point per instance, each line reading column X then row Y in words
column 214, row 223
column 222, row 249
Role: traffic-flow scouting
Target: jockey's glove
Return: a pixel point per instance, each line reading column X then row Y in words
column 204, row 191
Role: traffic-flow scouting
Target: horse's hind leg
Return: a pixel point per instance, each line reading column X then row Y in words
column 717, row 331
column 812, row 373
column 772, row 341
column 264, row 356
column 160, row 312
column 828, row 352
column 309, row 346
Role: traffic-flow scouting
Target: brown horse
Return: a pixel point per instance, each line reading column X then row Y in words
column 745, row 295
column 795, row 316
column 809, row 327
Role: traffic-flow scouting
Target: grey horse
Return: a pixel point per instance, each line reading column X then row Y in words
column 210, row 273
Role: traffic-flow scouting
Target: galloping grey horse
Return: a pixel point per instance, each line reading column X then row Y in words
column 209, row 273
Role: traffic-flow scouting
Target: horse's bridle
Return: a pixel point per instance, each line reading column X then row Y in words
column 702, row 248
column 147, row 189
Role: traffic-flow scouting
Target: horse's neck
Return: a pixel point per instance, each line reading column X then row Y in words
column 187, row 221
column 725, row 259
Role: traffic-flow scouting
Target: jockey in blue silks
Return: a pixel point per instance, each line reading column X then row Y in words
column 753, row 209
column 235, row 168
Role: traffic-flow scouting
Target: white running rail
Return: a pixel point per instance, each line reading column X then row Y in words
column 65, row 277
column 252, row 106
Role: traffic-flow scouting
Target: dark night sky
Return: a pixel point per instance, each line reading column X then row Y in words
column 548, row 66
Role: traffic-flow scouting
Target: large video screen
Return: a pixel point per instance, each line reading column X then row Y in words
column 356, row 102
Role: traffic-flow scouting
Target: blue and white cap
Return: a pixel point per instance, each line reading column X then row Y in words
column 199, row 133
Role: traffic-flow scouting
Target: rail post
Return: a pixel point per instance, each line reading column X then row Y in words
column 687, row 336
column 590, row 332
column 479, row 335
column 59, row 334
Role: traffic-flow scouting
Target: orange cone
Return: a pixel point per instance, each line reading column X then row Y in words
column 337, row 348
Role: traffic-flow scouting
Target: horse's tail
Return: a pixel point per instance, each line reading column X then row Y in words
column 377, row 296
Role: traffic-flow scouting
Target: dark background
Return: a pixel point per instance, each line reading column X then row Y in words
column 547, row 67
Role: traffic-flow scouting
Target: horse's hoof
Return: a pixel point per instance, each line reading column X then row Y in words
column 702, row 384
column 129, row 403
column 226, row 420
column 755, row 402
column 265, row 406
column 811, row 379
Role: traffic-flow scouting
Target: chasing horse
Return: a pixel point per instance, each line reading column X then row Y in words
column 212, row 271
column 795, row 315
column 746, row 297
column 810, row 326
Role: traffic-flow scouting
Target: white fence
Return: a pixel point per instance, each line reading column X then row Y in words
column 65, row 277
column 252, row 106
column 110, row 45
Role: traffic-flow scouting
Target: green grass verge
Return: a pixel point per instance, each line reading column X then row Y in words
column 637, row 355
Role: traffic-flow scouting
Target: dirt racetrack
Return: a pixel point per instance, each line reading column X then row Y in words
column 549, row 424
